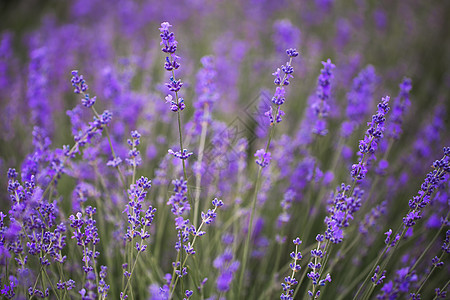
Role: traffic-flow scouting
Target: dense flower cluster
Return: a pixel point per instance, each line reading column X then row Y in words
column 345, row 203
column 369, row 144
column 431, row 182
column 170, row 47
column 139, row 220
column 85, row 233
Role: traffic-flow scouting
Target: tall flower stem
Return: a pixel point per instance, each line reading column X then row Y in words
column 443, row 288
column 198, row 175
column 278, row 99
column 430, row 187
column 122, row 177
column 250, row 224
column 430, row 244
column 428, row 275
column 169, row 48
column 181, row 135
column 207, row 220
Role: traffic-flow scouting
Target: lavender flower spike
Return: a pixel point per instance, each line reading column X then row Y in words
column 369, row 144
column 321, row 106
column 431, row 182
column 279, row 96
column 176, row 104
column 171, row 64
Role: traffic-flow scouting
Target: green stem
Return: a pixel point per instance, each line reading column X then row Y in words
column 122, row 177
column 198, row 175
column 429, row 245
column 51, row 284
column 429, row 274
column 438, row 173
column 131, row 272
column 187, row 255
column 443, row 289
column 255, row 196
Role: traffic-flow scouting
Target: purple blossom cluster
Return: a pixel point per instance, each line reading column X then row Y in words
column 359, row 100
column 170, row 47
column 133, row 158
column 281, row 80
column 84, row 133
column 139, row 219
column 290, row 281
column 263, row 158
column 346, row 202
column 85, row 233
column 227, row 265
column 369, row 144
column 432, row 181
column 207, row 93
column 321, row 106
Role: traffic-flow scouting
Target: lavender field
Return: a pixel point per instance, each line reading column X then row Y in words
column 224, row 149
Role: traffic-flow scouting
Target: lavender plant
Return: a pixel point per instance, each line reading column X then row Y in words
column 103, row 199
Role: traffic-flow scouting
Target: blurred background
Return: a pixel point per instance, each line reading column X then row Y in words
column 115, row 44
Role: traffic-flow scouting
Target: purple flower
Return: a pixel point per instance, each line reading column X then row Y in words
column 285, row 35
column 178, row 200
column 359, row 100
column 84, row 134
column 227, row 266
column 139, row 219
column 133, row 158
column 279, row 97
column 81, row 87
column 401, row 104
column 369, row 144
column 103, row 287
column 321, row 105
column 86, row 234
column 181, row 155
column 167, row 38
column 431, row 182
column 38, row 88
column 171, row 63
column 263, row 158
column 290, row 281
column 341, row 211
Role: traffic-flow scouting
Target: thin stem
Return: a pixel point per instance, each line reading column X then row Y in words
column 385, row 263
column 132, row 270
column 179, row 124
column 187, row 254
column 255, row 196
column 198, row 175
column 437, row 174
column 51, row 284
column 429, row 245
column 122, row 178
column 443, row 289
column 429, row 274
